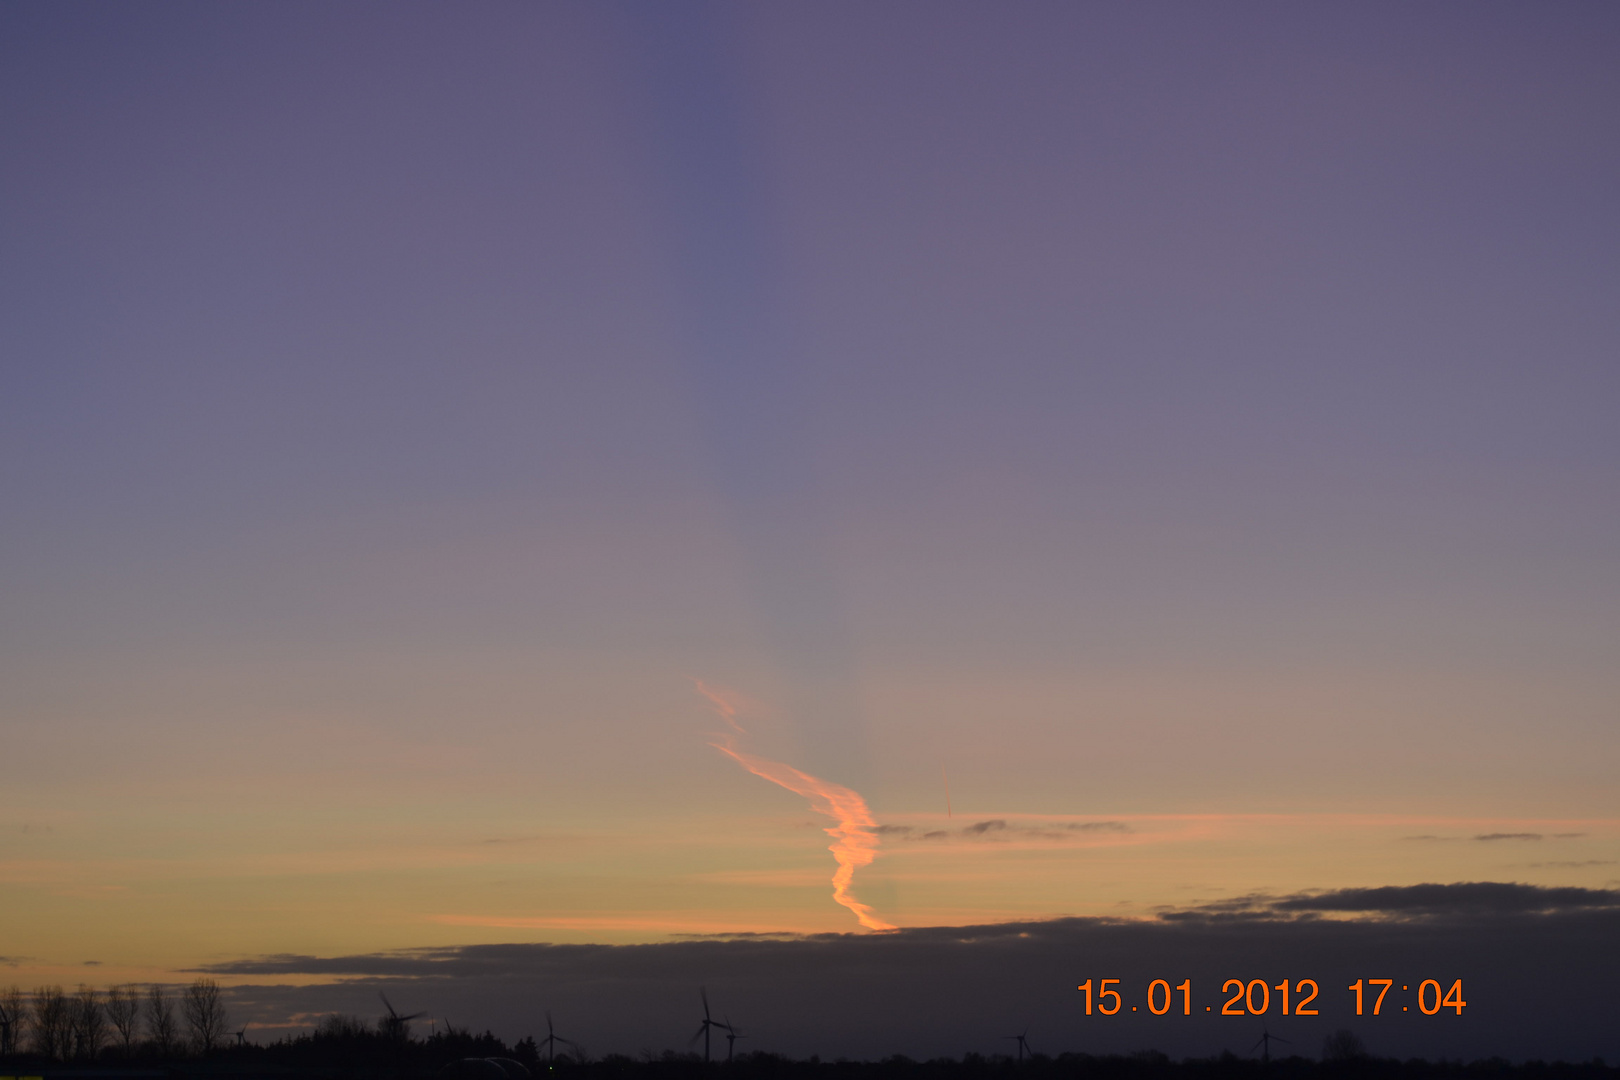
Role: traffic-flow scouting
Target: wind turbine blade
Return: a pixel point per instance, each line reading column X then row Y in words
column 703, row 992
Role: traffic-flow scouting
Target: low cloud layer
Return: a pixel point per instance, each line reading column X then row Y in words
column 1479, row 897
column 1534, row 965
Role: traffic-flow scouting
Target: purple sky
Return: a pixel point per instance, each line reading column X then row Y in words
column 1133, row 409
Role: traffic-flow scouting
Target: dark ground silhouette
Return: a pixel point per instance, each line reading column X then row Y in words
column 353, row 1051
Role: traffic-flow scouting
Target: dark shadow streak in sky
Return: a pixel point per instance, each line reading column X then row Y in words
column 749, row 378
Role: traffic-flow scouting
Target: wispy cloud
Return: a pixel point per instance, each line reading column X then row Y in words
column 1493, row 836
column 1002, row 830
column 644, row 922
column 727, row 704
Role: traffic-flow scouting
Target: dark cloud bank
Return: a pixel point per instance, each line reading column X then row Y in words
column 1540, row 969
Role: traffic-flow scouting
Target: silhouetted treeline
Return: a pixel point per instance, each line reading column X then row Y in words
column 185, row 1034
column 446, row 1057
column 124, row 1023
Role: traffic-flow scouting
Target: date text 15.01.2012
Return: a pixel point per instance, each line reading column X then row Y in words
column 1257, row 997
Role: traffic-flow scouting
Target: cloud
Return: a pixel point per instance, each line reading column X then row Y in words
column 943, row 990
column 1489, row 837
column 1000, row 829
column 1474, row 897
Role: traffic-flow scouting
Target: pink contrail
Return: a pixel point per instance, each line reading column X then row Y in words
column 854, row 843
column 723, row 706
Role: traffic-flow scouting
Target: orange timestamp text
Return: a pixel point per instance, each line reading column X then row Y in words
column 1257, row 997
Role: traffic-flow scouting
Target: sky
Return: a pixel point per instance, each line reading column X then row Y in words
column 501, row 474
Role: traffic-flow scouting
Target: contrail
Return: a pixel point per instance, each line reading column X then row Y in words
column 854, row 841
column 723, row 706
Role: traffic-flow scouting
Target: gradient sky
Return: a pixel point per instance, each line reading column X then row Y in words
column 1200, row 423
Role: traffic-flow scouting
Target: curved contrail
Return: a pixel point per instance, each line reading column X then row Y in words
column 854, row 843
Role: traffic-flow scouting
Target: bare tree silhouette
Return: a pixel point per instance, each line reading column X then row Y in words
column 205, row 1015
column 123, row 1013
column 13, row 1019
column 89, row 1024
column 161, row 1030
column 1343, row 1045
column 52, row 1022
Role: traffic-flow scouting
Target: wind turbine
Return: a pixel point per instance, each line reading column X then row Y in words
column 703, row 1028
column 1266, row 1039
column 552, row 1039
column 395, row 1026
column 241, row 1036
column 732, row 1035
column 1023, row 1044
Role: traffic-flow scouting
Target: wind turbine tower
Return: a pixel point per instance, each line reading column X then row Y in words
column 1023, row 1044
column 552, row 1039
column 395, row 1026
column 732, row 1035
column 708, row 1023
column 1266, row 1039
